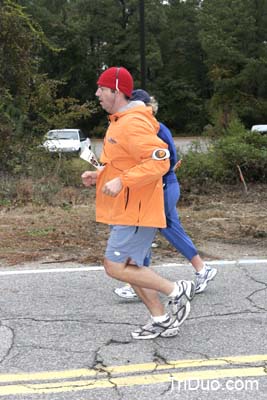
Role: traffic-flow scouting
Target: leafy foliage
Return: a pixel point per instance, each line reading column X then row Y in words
column 206, row 62
column 29, row 101
column 233, row 37
column 237, row 148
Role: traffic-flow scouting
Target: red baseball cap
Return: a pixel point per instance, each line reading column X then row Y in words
column 117, row 78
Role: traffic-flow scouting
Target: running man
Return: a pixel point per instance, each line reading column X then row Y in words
column 129, row 198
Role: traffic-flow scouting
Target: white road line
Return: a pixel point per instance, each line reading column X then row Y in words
column 222, row 262
column 50, row 270
column 101, row 268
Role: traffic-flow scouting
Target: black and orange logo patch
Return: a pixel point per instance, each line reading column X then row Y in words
column 160, row 153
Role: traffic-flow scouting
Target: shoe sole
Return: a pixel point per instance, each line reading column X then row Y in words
column 205, row 284
column 191, row 292
column 170, row 332
column 184, row 306
column 187, row 295
column 127, row 297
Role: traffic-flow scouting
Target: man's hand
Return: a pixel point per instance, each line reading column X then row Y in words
column 89, row 178
column 113, row 187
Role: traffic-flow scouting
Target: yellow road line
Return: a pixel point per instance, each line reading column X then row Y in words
column 133, row 368
column 80, row 385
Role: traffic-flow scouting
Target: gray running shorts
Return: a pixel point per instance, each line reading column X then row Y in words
column 129, row 242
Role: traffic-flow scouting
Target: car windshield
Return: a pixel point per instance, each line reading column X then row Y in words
column 59, row 135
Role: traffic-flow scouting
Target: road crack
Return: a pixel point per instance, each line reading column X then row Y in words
column 7, row 339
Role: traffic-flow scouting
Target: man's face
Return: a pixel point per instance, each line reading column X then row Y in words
column 107, row 98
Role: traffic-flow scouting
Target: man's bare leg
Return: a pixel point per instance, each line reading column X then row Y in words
column 142, row 277
column 197, row 262
column 151, row 300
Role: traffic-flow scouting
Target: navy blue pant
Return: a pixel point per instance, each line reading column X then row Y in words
column 175, row 233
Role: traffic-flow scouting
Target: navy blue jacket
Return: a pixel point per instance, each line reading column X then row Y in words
column 165, row 135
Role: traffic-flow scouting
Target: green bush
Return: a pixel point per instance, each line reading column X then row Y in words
column 34, row 175
column 238, row 148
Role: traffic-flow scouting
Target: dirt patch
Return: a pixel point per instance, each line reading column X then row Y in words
column 224, row 224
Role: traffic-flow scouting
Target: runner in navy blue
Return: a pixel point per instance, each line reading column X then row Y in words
column 174, row 233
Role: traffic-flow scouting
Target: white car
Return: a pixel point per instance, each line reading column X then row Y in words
column 66, row 141
column 259, row 128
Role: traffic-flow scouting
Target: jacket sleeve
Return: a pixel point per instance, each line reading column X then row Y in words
column 145, row 173
column 142, row 143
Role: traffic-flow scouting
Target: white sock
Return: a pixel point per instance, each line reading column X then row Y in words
column 175, row 291
column 160, row 318
column 203, row 270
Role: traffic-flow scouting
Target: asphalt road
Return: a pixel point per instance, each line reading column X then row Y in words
column 65, row 335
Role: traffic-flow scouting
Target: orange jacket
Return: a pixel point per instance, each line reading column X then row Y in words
column 129, row 143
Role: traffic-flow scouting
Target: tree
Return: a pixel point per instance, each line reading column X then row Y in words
column 29, row 100
column 233, row 37
column 95, row 35
column 181, row 82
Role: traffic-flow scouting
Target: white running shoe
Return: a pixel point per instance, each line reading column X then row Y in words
column 180, row 305
column 202, row 280
column 126, row 292
column 152, row 329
